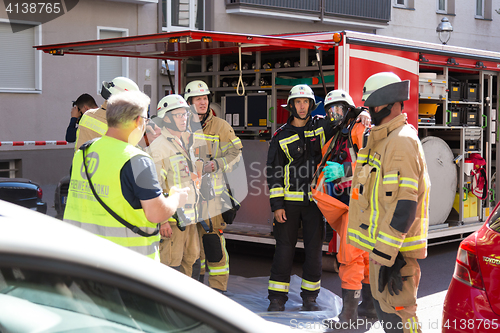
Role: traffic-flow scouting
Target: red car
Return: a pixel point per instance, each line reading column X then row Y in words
column 472, row 303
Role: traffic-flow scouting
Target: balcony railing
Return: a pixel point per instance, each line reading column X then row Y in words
column 367, row 9
column 372, row 10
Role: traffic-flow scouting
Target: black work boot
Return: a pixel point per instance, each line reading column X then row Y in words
column 309, row 304
column 350, row 300
column 276, row 304
column 366, row 308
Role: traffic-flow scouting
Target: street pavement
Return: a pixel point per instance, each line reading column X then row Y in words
column 254, row 260
column 251, row 260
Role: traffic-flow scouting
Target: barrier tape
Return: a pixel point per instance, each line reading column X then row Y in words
column 33, row 143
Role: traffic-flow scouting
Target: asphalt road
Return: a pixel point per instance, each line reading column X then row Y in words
column 251, row 260
column 254, row 260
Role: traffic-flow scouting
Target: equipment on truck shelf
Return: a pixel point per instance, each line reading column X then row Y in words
column 452, row 103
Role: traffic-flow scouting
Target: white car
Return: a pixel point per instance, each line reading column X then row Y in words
column 55, row 277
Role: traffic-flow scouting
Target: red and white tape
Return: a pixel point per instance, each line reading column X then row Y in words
column 33, row 143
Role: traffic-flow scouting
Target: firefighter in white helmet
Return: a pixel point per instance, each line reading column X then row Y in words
column 221, row 152
column 388, row 213
column 294, row 153
column 341, row 159
column 93, row 123
column 173, row 155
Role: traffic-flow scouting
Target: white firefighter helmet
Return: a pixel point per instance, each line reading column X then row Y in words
column 196, row 88
column 117, row 85
column 338, row 96
column 301, row 90
column 169, row 103
column 385, row 88
column 341, row 102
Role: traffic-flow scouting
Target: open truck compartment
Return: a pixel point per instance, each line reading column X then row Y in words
column 453, row 103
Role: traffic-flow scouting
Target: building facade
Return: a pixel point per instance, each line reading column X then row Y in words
column 37, row 90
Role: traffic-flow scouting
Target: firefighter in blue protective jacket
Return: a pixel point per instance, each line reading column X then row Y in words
column 294, row 153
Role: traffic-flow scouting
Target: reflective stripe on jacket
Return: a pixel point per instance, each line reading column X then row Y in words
column 175, row 167
column 224, row 147
column 222, row 144
column 93, row 124
column 388, row 210
column 105, row 159
column 292, row 160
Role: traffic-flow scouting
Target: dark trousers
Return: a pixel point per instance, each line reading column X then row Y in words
column 313, row 227
column 390, row 320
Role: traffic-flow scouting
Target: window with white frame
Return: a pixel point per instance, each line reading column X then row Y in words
column 479, row 8
column 445, row 7
column 183, row 14
column 110, row 67
column 20, row 64
column 407, row 4
column 442, row 6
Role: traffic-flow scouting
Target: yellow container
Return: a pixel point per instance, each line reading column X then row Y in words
column 427, row 110
column 470, row 205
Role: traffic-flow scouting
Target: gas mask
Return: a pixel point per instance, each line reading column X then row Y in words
column 338, row 113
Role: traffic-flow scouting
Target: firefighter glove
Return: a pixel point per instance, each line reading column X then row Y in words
column 391, row 276
column 333, row 171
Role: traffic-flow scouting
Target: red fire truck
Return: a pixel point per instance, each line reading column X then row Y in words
column 453, row 103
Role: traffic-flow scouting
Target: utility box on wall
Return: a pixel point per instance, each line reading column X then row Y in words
column 247, row 112
column 233, row 107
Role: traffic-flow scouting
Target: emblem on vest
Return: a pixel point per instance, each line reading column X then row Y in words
column 92, row 162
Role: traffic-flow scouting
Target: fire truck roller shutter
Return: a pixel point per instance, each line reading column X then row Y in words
column 443, row 174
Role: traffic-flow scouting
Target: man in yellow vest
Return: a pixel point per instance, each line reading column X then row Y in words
column 93, row 123
column 123, row 201
column 222, row 151
column 388, row 210
column 173, row 153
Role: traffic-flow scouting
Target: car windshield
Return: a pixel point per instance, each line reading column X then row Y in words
column 494, row 222
column 58, row 303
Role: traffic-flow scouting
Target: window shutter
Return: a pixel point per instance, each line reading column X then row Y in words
column 18, row 58
column 110, row 67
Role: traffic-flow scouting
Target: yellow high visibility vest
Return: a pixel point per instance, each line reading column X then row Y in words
column 105, row 159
